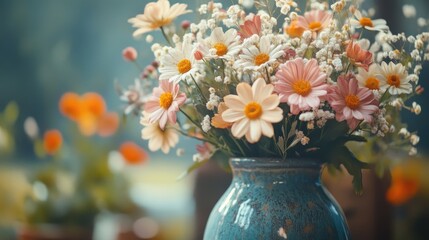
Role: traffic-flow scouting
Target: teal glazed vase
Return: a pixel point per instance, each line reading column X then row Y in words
column 276, row 199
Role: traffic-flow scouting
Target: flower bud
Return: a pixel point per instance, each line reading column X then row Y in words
column 129, row 54
column 186, row 24
column 198, row 55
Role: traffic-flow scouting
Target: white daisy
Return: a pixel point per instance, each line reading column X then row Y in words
column 370, row 24
column 178, row 63
column 158, row 138
column 220, row 44
column 369, row 79
column 255, row 58
column 394, row 78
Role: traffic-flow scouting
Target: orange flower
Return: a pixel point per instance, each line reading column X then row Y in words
column 132, row 153
column 404, row 186
column 217, row 120
column 108, row 124
column 94, row 103
column 89, row 112
column 294, row 30
column 70, row 105
column 52, row 141
column 358, row 56
column 87, row 123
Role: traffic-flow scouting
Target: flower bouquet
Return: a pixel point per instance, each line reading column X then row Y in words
column 274, row 89
column 284, row 82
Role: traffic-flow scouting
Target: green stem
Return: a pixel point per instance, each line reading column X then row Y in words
column 199, row 89
column 190, row 119
column 166, row 37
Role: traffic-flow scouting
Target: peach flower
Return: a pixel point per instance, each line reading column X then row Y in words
column 358, row 56
column 157, row 15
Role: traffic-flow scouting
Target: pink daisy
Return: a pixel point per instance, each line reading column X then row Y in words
column 301, row 85
column 164, row 103
column 352, row 103
column 250, row 27
column 315, row 21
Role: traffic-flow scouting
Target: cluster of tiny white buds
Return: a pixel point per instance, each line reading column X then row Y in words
column 397, row 103
column 180, row 152
column 414, row 139
column 421, row 22
column 197, row 157
column 413, row 151
column 416, row 108
column 205, row 124
column 404, row 132
column 149, row 38
column 379, row 125
column 409, row 11
column 213, row 101
column 305, row 140
column 338, row 6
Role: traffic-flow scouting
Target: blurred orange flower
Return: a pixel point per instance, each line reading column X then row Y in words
column 89, row 112
column 405, row 185
column 108, row 124
column 52, row 141
column 132, row 153
column 70, row 105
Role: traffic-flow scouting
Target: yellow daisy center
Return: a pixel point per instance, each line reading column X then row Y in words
column 221, row 49
column 165, row 100
column 314, row 26
column 352, row 101
column 157, row 23
column 372, row 83
column 302, row 87
column 366, row 22
column 253, row 110
column 183, row 66
column 261, row 59
column 394, row 80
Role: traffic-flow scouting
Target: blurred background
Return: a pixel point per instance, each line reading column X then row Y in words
column 102, row 186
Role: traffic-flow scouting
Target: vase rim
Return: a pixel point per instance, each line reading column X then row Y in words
column 261, row 162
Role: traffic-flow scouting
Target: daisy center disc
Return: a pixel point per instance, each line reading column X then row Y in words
column 165, row 100
column 366, row 22
column 261, row 59
column 314, row 26
column 394, row 80
column 253, row 110
column 302, row 87
column 221, row 49
column 372, row 83
column 352, row 101
column 183, row 66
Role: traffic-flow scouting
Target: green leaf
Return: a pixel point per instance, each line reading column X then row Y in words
column 222, row 159
column 11, row 112
column 192, row 168
column 334, row 130
column 338, row 155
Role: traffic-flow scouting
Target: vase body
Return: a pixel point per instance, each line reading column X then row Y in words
column 275, row 199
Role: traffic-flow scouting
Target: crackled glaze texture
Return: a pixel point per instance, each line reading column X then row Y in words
column 267, row 195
